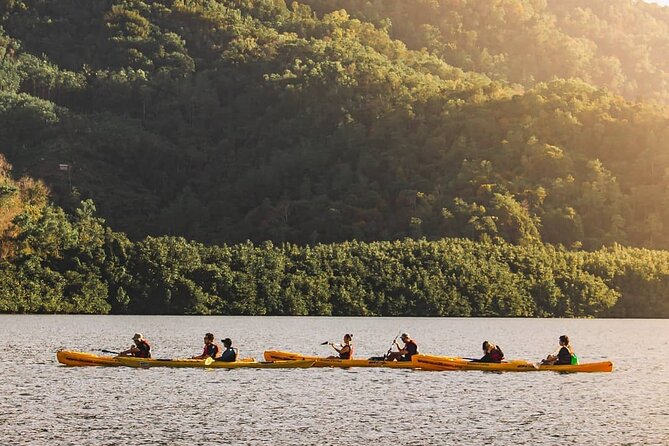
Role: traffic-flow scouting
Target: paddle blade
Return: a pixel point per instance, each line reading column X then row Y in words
column 325, row 343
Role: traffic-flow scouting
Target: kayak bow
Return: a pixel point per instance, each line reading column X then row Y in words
column 79, row 359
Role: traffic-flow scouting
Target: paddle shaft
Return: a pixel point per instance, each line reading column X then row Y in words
column 393, row 343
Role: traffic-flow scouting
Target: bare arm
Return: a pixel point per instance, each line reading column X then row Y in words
column 401, row 350
column 132, row 350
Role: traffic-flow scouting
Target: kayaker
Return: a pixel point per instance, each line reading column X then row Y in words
column 346, row 349
column 491, row 353
column 211, row 350
column 230, row 353
column 404, row 353
column 563, row 355
column 141, row 349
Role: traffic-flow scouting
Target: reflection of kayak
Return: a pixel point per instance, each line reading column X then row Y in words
column 85, row 359
column 202, row 363
column 325, row 362
column 428, row 362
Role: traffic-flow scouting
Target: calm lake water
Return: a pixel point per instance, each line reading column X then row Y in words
column 43, row 403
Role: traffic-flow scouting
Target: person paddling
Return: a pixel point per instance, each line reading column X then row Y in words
column 491, row 353
column 211, row 350
column 230, row 353
column 141, row 349
column 563, row 355
column 346, row 349
column 404, row 353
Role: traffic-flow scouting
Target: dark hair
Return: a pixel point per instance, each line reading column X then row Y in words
column 227, row 342
column 564, row 339
column 347, row 335
column 209, row 336
column 486, row 344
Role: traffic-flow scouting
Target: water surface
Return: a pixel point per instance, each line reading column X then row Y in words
column 44, row 403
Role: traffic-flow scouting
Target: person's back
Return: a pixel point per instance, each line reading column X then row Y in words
column 565, row 354
column 405, row 353
column 211, row 350
column 346, row 352
column 411, row 349
column 230, row 353
column 496, row 355
column 492, row 353
column 141, row 348
column 563, row 357
column 144, row 349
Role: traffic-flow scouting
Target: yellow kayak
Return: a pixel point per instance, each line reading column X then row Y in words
column 328, row 362
column 603, row 366
column 430, row 362
column 209, row 363
column 73, row 358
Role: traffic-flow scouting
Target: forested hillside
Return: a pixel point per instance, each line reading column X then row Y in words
column 228, row 120
column 335, row 157
column 54, row 263
column 618, row 44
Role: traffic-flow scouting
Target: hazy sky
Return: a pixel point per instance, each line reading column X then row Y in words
column 661, row 2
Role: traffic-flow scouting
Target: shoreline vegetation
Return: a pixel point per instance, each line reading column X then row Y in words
column 55, row 263
column 424, row 158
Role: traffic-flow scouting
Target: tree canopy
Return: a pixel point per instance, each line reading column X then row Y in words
column 330, row 120
column 532, row 128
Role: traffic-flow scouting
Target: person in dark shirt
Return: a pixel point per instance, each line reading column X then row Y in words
column 346, row 349
column 211, row 350
column 563, row 355
column 230, row 353
column 141, row 349
column 491, row 353
column 404, row 353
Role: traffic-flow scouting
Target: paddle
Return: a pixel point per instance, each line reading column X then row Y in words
column 394, row 343
column 108, row 351
column 383, row 358
column 325, row 343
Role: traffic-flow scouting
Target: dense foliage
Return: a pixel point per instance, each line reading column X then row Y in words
column 425, row 157
column 229, row 120
column 52, row 262
column 617, row 44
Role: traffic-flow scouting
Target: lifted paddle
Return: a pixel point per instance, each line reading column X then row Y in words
column 384, row 357
column 393, row 344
